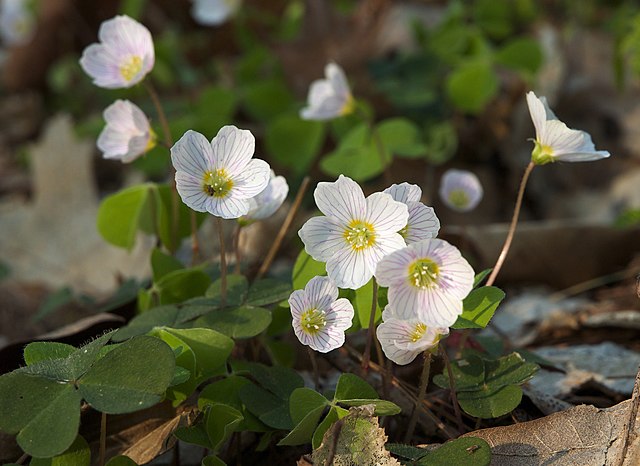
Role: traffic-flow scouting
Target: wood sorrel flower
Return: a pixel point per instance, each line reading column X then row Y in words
column 319, row 317
column 422, row 223
column 127, row 134
column 16, row 22
column 460, row 190
column 355, row 232
column 268, row 201
column 555, row 141
column 329, row 98
column 427, row 281
column 404, row 339
column 124, row 55
column 220, row 176
column 214, row 12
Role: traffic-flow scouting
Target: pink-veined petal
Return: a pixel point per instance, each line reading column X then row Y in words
column 422, row 223
column 538, row 114
column 192, row 154
column 253, row 179
column 393, row 269
column 342, row 199
column 404, row 192
column 321, row 292
column 233, row 149
column 385, row 214
column 322, row 238
column 190, row 190
column 348, row 268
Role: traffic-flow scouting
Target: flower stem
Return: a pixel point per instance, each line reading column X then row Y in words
column 422, row 391
column 103, row 438
column 283, row 229
column 372, row 319
column 452, row 388
column 512, row 227
column 223, row 264
column 378, row 143
column 314, row 365
column 168, row 142
column 236, row 247
column 195, row 244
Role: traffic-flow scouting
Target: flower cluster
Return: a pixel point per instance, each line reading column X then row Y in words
column 390, row 235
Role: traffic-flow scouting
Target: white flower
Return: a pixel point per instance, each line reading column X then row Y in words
column 269, row 200
column 220, row 176
column 328, row 98
column 555, row 141
column 17, row 22
column 319, row 317
column 355, row 234
column 422, row 223
column 127, row 134
column 214, row 12
column 404, row 339
column 124, row 56
column 427, row 281
column 460, row 190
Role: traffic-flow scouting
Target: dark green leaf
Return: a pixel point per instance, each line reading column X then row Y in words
column 467, row 451
column 350, row 386
column 522, row 54
column 240, row 322
column 400, row 136
column 211, row 348
column 408, row 452
column 212, row 461
column 163, row 199
column 54, row 301
column 294, row 142
column 121, row 460
column 78, row 454
column 221, row 422
column 132, row 377
column 472, row 86
column 479, row 307
column 46, row 350
column 441, row 142
column 119, row 215
column 180, row 285
column 268, row 291
column 302, row 401
column 305, row 269
column 237, row 287
column 335, row 413
column 265, row 100
column 363, row 303
column 480, row 276
column 382, row 407
column 303, row 431
column 163, row 264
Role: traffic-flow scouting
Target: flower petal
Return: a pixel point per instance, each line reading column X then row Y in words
column 190, row 190
column 348, row 268
column 422, row 223
column 538, row 114
column 192, row 154
column 101, row 63
column 404, row 192
column 322, row 238
column 127, row 37
column 335, row 75
column 342, row 199
column 385, row 214
column 253, row 179
column 233, row 149
column 341, row 316
column 321, row 292
column 228, row 207
column 393, row 269
column 298, row 303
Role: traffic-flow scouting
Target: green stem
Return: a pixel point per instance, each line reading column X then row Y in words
column 366, row 357
column 103, row 438
column 236, row 247
column 422, row 391
column 452, row 388
column 512, row 227
column 378, row 143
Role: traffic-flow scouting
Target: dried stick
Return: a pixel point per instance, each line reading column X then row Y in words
column 422, row 391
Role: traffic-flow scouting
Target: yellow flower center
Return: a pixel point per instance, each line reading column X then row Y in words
column 423, row 273
column 313, row 320
column 542, row 154
column 349, row 106
column 153, row 139
column 217, row 183
column 360, row 235
column 418, row 332
column 131, row 67
column 459, row 198
column 404, row 231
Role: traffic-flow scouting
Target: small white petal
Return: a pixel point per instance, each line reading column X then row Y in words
column 385, row 214
column 422, row 223
column 537, row 112
column 328, row 98
column 404, row 192
column 342, row 199
column 322, row 237
column 392, row 269
column 232, row 149
column 229, row 207
column 267, row 202
column 252, row 181
column 190, row 190
column 349, row 268
column 321, row 292
column 342, row 314
column 298, row 303
column 192, row 154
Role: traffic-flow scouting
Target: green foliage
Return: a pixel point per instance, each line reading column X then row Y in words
column 472, row 86
column 45, row 396
column 400, row 136
column 488, row 388
column 78, row 454
column 46, row 350
column 441, row 142
column 163, row 264
column 237, row 289
column 521, row 54
column 304, row 269
column 467, row 451
column 268, row 291
column 218, row 423
column 239, row 322
column 267, row 99
column 478, row 307
column 121, row 460
column 55, row 301
column 362, row 305
column 162, row 316
column 179, row 285
column 307, row 406
column 628, row 218
column 293, row 142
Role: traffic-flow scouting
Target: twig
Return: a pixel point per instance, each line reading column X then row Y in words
column 195, row 244
column 23, row 458
column 452, row 388
column 223, row 264
column 630, row 425
column 284, row 228
column 103, row 438
column 512, row 228
column 372, row 320
column 593, row 283
column 422, row 391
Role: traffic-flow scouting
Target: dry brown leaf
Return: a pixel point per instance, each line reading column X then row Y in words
column 354, row 440
column 581, row 436
column 155, row 442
